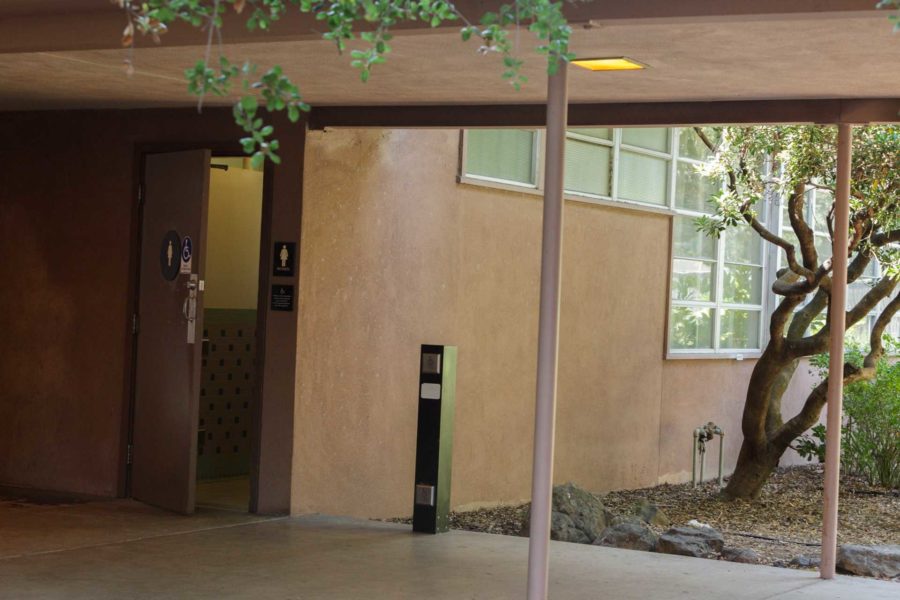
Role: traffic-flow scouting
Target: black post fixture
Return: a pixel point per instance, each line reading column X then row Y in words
column 434, row 441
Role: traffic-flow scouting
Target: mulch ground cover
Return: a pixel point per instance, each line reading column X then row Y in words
column 785, row 522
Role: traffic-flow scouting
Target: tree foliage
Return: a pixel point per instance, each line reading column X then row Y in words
column 366, row 24
column 788, row 161
column 870, row 433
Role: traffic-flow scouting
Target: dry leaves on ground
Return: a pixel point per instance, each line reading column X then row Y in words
column 789, row 512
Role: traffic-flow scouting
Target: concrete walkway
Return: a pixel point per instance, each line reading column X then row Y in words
column 122, row 549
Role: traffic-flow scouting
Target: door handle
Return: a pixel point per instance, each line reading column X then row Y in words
column 189, row 308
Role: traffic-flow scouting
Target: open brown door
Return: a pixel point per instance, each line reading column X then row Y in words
column 170, row 309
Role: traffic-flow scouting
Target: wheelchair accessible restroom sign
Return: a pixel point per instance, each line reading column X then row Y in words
column 187, row 255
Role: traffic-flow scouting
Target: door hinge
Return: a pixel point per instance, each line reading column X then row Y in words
column 140, row 192
column 129, row 454
column 135, row 324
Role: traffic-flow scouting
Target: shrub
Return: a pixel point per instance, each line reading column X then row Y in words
column 813, row 445
column 870, row 436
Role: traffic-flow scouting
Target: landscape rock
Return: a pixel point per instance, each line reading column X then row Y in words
column 741, row 555
column 578, row 515
column 620, row 519
column 652, row 514
column 871, row 561
column 563, row 529
column 631, row 536
column 701, row 542
column 806, row 561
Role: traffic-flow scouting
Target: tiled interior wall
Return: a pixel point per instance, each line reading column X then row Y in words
column 227, row 393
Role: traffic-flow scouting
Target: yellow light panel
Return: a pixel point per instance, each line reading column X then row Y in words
column 615, row 63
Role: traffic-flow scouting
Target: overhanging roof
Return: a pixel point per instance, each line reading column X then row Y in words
column 698, row 51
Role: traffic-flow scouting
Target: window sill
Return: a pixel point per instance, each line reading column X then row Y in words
column 568, row 196
column 735, row 356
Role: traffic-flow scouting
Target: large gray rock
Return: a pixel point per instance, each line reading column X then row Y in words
column 562, row 528
column 806, row 561
column 701, row 542
column 578, row 515
column 632, row 536
column 652, row 514
column 871, row 561
column 585, row 509
column 741, row 555
column 619, row 519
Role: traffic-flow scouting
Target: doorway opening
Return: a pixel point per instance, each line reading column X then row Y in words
column 228, row 376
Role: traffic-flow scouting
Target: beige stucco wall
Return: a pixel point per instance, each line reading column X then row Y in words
column 395, row 253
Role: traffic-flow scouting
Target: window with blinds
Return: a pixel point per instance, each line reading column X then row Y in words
column 506, row 155
column 630, row 165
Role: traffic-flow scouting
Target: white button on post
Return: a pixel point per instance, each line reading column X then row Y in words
column 430, row 391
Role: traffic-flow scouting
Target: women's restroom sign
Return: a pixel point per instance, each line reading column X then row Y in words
column 284, row 259
column 187, row 255
column 168, row 255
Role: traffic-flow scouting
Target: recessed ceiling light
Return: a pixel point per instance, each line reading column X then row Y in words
column 610, row 63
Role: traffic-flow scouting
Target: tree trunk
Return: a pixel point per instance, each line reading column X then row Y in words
column 762, row 411
column 751, row 473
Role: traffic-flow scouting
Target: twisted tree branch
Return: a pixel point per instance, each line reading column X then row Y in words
column 805, row 235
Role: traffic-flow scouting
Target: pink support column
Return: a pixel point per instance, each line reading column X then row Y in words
column 836, row 352
column 548, row 337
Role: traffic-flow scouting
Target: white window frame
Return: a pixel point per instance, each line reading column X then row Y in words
column 718, row 305
column 504, row 184
column 538, row 188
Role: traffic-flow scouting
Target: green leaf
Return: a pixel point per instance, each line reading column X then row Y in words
column 249, row 103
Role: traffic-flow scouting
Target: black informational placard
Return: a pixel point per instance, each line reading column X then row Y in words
column 283, row 298
column 283, row 259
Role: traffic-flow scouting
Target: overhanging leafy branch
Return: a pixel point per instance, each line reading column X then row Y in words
column 368, row 21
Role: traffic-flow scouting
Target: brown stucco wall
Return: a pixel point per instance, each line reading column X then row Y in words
column 396, row 254
column 67, row 228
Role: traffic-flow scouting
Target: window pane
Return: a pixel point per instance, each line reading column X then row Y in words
column 858, row 289
column 823, row 248
column 691, row 146
column 824, row 199
column 693, row 190
column 742, row 285
column 858, row 334
column 692, row 280
column 653, row 138
column 502, row 154
column 893, row 328
column 588, row 167
column 871, row 269
column 603, row 133
column 643, row 178
column 692, row 243
column 739, row 329
column 690, row 328
column 743, row 245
